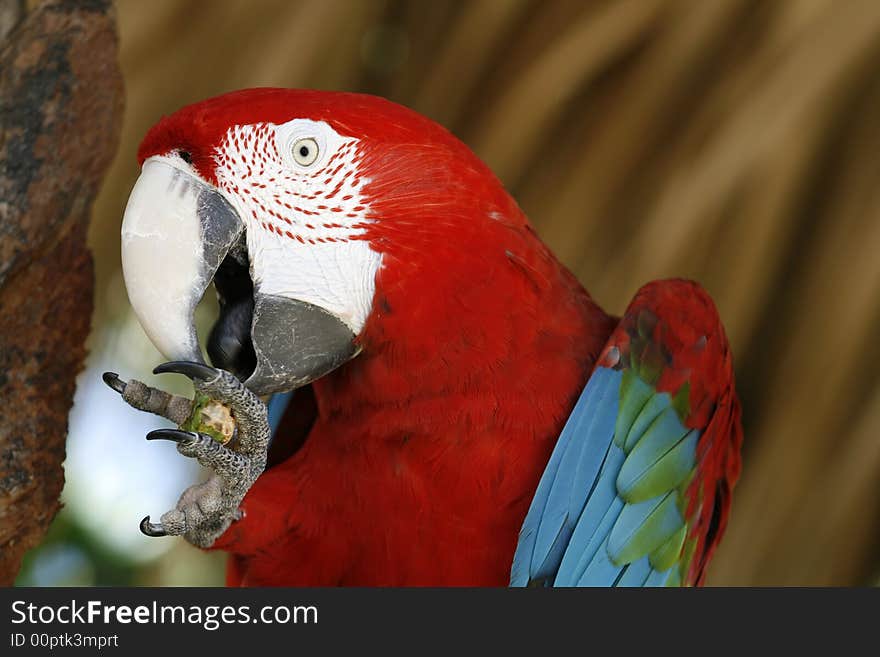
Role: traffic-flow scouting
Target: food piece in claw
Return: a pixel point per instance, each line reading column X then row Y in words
column 211, row 417
column 204, row 511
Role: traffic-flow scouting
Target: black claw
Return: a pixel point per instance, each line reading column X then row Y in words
column 150, row 529
column 187, row 368
column 112, row 379
column 176, row 435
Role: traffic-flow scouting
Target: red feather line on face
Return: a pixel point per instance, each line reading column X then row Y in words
column 689, row 347
column 250, row 167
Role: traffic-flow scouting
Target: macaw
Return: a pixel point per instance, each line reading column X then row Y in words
column 464, row 412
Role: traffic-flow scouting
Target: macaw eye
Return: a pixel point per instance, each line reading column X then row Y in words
column 305, row 151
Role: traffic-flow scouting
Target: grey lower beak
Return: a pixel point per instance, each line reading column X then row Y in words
column 296, row 342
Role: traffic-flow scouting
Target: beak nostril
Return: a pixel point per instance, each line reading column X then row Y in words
column 186, row 156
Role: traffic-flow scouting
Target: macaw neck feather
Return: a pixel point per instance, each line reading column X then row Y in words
column 506, row 321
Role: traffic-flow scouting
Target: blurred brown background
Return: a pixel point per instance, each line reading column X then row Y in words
column 736, row 142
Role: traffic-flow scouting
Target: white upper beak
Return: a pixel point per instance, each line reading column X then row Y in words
column 169, row 205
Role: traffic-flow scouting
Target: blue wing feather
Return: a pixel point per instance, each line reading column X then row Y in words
column 657, row 578
column 599, row 516
column 601, row 571
column 278, row 403
column 637, row 573
column 557, row 504
column 606, row 504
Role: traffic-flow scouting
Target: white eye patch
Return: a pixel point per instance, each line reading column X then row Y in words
column 298, row 188
column 307, row 145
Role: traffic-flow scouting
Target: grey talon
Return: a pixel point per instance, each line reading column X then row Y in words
column 151, row 529
column 190, row 369
column 205, row 510
column 112, row 379
column 145, row 398
column 177, row 435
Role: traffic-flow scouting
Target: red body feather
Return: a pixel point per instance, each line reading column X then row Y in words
column 427, row 448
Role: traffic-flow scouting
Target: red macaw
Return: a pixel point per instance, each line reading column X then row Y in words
column 367, row 258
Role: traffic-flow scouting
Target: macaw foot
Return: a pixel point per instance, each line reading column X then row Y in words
column 206, row 510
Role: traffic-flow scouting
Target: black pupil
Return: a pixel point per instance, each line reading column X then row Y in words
column 303, row 151
column 186, row 156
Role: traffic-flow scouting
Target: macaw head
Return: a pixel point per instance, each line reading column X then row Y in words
column 297, row 205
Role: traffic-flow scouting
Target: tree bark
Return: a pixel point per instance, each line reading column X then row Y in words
column 61, row 98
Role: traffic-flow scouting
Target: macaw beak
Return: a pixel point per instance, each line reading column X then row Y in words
column 175, row 233
column 180, row 234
